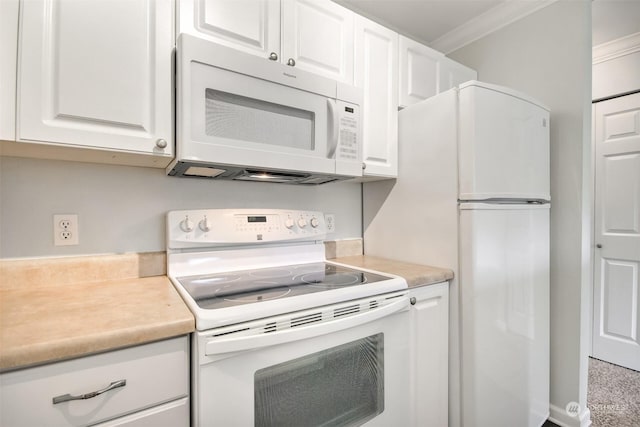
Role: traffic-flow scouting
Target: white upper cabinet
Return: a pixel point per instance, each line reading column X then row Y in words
column 452, row 74
column 313, row 35
column 418, row 71
column 425, row 72
column 251, row 26
column 376, row 71
column 317, row 36
column 8, row 53
column 97, row 74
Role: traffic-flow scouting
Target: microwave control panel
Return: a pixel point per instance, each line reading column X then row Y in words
column 348, row 132
column 224, row 227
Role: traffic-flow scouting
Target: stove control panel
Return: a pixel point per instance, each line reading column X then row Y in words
column 220, row 227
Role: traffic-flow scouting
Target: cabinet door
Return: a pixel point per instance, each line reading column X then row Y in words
column 252, row 26
column 418, row 71
column 8, row 53
column 376, row 71
column 429, row 355
column 97, row 74
column 317, row 35
column 452, row 73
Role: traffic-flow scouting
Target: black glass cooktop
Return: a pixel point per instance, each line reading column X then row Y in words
column 251, row 286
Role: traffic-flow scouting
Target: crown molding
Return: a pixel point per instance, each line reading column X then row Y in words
column 492, row 20
column 616, row 48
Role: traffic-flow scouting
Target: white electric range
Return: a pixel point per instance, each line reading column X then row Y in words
column 285, row 337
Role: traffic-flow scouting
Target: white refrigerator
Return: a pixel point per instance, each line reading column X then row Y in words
column 472, row 195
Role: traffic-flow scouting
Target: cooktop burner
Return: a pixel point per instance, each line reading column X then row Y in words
column 253, row 286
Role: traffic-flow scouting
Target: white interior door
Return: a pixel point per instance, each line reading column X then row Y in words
column 616, row 295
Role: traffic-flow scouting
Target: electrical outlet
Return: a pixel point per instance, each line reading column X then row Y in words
column 65, row 230
column 330, row 221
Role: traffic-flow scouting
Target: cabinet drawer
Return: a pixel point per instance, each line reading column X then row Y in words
column 154, row 373
column 172, row 414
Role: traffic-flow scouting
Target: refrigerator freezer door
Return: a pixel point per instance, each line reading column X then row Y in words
column 504, row 287
column 503, row 145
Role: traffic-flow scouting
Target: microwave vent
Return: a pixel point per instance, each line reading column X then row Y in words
column 204, row 172
column 225, row 172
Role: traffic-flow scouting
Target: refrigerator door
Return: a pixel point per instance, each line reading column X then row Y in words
column 503, row 144
column 504, row 307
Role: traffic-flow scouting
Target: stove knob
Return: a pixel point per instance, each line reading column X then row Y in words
column 186, row 224
column 314, row 222
column 288, row 223
column 302, row 223
column 205, row 224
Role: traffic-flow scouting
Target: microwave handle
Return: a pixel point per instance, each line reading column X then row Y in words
column 252, row 342
column 333, row 129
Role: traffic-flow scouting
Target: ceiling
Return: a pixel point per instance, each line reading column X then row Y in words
column 422, row 20
column 436, row 22
column 612, row 19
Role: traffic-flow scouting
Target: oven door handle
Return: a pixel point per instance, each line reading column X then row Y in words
column 252, row 342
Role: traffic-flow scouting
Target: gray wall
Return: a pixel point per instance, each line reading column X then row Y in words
column 548, row 56
column 122, row 208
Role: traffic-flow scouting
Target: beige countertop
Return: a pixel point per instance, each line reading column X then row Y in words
column 415, row 274
column 44, row 321
column 56, row 309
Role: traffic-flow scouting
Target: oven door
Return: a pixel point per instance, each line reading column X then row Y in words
column 349, row 370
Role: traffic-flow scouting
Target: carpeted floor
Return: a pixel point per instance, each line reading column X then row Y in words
column 614, row 395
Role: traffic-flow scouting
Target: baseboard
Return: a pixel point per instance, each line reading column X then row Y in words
column 563, row 419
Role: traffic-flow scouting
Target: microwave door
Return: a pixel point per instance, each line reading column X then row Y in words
column 236, row 119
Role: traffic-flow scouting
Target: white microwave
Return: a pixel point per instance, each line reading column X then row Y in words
column 241, row 117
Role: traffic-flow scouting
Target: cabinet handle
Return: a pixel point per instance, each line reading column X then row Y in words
column 291, row 62
column 599, row 246
column 68, row 397
column 161, row 143
column 364, row 165
column 273, row 56
column 413, row 300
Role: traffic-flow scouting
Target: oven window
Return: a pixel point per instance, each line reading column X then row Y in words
column 340, row 386
column 252, row 120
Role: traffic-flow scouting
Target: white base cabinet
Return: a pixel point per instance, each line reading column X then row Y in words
column 171, row 414
column 97, row 75
column 429, row 355
column 152, row 389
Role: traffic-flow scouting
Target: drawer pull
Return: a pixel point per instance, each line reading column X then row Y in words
column 68, row 397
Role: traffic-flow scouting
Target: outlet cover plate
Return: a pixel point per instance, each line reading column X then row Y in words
column 65, row 230
column 330, row 221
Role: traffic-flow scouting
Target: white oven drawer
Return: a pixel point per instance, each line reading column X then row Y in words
column 154, row 374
